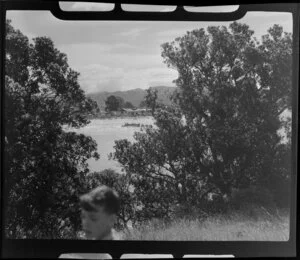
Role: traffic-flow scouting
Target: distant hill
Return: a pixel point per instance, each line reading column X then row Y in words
column 134, row 96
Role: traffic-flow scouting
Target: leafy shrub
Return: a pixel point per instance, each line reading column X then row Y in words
column 281, row 190
column 254, row 195
column 189, row 212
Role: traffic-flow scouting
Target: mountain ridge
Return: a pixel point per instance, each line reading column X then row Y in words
column 134, row 96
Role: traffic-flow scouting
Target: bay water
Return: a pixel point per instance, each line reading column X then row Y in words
column 105, row 132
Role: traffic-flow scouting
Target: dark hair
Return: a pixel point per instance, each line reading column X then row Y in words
column 101, row 196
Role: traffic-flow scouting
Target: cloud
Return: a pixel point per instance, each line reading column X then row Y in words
column 179, row 29
column 81, row 6
column 260, row 22
column 121, row 45
column 170, row 35
column 96, row 77
column 144, row 78
column 135, row 32
column 114, row 55
column 84, row 47
column 123, row 48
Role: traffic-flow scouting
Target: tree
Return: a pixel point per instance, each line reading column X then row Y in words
column 45, row 166
column 113, row 103
column 221, row 132
column 151, row 99
column 128, row 105
column 121, row 102
column 143, row 104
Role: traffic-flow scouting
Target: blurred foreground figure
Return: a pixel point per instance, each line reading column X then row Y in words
column 99, row 209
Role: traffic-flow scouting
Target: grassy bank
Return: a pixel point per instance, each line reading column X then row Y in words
column 238, row 225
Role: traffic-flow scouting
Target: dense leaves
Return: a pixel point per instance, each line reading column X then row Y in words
column 221, row 133
column 128, row 104
column 151, row 99
column 44, row 164
column 113, row 103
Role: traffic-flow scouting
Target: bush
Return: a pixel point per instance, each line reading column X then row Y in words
column 189, row 212
column 218, row 205
column 254, row 195
column 281, row 190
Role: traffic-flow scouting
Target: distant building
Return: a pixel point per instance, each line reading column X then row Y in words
column 136, row 111
column 116, row 113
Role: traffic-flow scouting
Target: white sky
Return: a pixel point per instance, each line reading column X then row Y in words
column 112, row 55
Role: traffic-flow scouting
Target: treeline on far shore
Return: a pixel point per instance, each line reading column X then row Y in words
column 119, row 114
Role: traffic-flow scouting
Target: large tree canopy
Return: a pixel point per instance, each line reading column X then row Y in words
column 221, row 132
column 44, row 164
column 113, row 103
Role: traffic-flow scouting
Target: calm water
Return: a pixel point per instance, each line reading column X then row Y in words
column 105, row 132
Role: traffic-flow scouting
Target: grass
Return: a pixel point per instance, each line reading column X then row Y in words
column 235, row 226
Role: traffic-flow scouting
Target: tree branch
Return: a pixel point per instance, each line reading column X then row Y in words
column 158, row 176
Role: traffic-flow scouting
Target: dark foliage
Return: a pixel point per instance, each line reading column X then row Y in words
column 221, row 133
column 44, row 164
column 113, row 103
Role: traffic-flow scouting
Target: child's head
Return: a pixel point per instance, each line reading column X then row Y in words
column 98, row 211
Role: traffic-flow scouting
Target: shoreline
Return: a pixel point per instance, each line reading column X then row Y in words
column 119, row 117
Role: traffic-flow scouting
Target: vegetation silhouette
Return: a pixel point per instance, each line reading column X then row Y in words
column 45, row 167
column 214, row 145
column 221, row 133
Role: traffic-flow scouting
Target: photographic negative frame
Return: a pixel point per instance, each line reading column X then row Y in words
column 53, row 248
